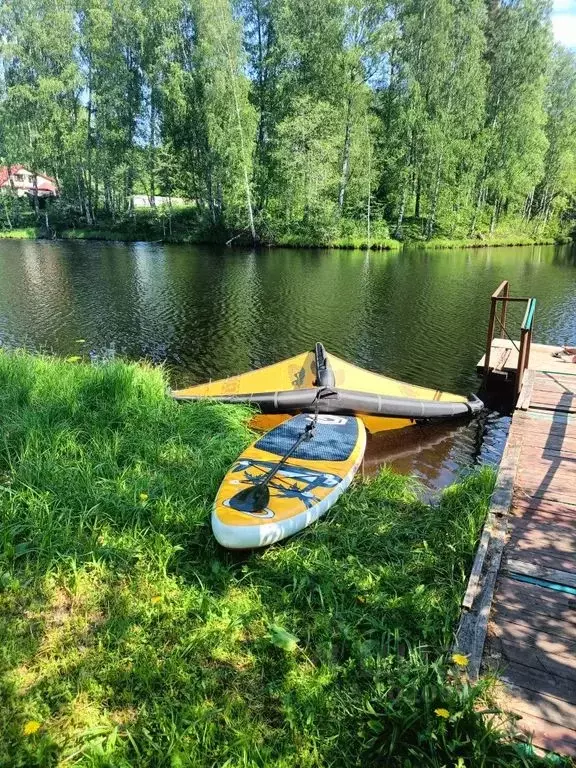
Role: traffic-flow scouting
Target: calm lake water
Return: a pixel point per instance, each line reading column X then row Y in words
column 206, row 312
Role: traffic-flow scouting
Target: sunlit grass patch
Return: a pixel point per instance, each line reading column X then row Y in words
column 129, row 638
column 21, row 233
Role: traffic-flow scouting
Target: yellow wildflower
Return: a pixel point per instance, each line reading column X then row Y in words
column 441, row 712
column 460, row 660
column 157, row 598
column 31, row 727
column 143, row 497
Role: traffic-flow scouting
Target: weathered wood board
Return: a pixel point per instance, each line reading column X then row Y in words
column 524, row 616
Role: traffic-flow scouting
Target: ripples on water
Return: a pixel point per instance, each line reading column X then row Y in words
column 206, row 312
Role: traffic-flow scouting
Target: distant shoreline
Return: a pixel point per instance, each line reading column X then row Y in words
column 341, row 244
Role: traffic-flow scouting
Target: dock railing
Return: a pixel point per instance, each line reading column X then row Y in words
column 497, row 321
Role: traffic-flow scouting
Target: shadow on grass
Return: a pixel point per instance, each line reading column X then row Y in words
column 131, row 639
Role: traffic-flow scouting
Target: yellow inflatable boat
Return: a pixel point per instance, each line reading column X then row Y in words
column 319, row 382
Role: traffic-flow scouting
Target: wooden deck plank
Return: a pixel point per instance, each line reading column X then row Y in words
column 537, row 417
column 553, row 391
column 550, row 708
column 541, row 358
column 548, row 450
column 554, row 380
column 531, row 519
column 547, row 559
column 549, row 386
column 554, row 474
column 548, row 736
column 530, row 509
column 557, row 431
column 539, row 491
column 522, row 504
column 533, row 625
column 552, row 540
column 547, row 642
column 477, row 566
column 565, row 376
column 522, row 676
column 542, row 417
column 525, row 396
column 534, row 622
column 554, row 575
column 562, row 404
column 543, row 379
column 519, row 595
column 555, row 471
column 561, row 666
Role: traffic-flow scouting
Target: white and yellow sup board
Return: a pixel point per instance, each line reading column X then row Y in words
column 303, row 489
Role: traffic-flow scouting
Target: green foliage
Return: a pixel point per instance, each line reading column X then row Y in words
column 28, row 233
column 130, row 639
column 429, row 715
column 285, row 120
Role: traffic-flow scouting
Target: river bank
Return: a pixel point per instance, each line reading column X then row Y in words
column 386, row 244
column 128, row 633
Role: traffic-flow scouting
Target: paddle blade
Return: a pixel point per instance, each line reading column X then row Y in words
column 252, row 499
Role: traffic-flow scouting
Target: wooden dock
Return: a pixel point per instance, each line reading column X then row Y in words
column 519, row 611
column 504, row 358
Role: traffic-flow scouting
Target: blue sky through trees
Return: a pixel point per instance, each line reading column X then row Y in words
column 564, row 22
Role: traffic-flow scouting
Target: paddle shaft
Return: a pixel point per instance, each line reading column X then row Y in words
column 306, row 435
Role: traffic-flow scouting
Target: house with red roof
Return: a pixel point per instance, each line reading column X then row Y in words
column 20, row 181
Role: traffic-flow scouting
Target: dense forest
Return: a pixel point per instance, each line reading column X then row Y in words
column 293, row 120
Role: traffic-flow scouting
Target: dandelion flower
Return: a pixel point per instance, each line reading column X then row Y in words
column 143, row 497
column 156, row 598
column 441, row 712
column 31, row 727
column 460, row 660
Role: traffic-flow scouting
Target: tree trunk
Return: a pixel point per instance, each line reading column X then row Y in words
column 84, row 189
column 262, row 110
column 494, row 219
column 152, row 162
column 85, row 172
column 241, row 137
column 418, row 196
column 398, row 232
column 108, row 195
column 369, row 201
column 478, row 206
column 35, row 193
column 6, row 212
column 96, row 196
column 432, row 215
column 528, row 205
column 345, row 171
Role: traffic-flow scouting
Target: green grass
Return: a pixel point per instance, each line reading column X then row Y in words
column 183, row 226
column 97, row 234
column 493, row 242
column 25, row 233
column 129, row 638
column 346, row 243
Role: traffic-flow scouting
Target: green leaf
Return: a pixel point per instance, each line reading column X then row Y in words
column 281, row 638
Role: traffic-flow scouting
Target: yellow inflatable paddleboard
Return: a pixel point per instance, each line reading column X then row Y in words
column 287, row 479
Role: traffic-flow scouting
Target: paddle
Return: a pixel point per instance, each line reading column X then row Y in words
column 256, row 497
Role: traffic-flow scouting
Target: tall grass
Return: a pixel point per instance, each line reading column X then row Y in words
column 128, row 638
column 23, row 233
